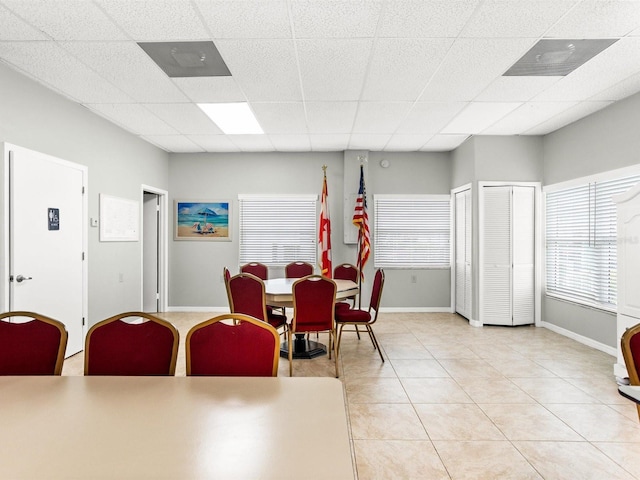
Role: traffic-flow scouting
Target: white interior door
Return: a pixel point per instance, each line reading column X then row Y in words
column 46, row 240
column 150, row 253
column 463, row 253
column 523, row 255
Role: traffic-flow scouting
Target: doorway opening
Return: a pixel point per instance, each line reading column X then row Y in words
column 154, row 250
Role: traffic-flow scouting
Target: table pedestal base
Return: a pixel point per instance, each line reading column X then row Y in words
column 303, row 348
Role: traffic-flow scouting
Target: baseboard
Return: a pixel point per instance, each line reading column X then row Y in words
column 579, row 338
column 415, row 310
column 198, row 309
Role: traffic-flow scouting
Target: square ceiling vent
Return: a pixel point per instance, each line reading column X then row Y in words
column 187, row 59
column 551, row 57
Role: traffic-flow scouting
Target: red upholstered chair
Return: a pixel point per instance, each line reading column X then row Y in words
column 346, row 271
column 630, row 345
column 226, row 274
column 314, row 299
column 298, row 270
column 116, row 347
column 247, row 296
column 32, row 347
column 360, row 317
column 233, row 345
column 260, row 270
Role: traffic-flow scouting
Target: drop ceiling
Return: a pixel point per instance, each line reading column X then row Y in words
column 325, row 75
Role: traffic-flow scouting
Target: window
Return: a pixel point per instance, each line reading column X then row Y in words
column 581, row 251
column 277, row 230
column 412, row 231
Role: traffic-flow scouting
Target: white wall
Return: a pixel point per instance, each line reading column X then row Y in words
column 118, row 162
column 606, row 140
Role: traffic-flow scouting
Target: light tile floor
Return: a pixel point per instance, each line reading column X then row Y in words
column 457, row 402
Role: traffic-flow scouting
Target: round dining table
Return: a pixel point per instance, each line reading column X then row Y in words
column 279, row 294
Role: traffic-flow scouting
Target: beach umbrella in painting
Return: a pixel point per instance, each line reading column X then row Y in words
column 207, row 212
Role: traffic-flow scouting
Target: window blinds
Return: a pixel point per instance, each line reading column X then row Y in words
column 581, row 236
column 278, row 230
column 412, row 231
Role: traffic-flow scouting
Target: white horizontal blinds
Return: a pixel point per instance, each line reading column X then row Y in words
column 278, row 230
column 581, row 250
column 412, row 231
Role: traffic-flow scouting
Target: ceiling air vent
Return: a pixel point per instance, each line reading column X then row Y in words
column 187, row 59
column 551, row 57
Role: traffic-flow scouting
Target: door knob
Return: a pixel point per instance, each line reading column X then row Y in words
column 22, row 278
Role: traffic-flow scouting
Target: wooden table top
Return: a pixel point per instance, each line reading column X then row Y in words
column 278, row 290
column 173, row 428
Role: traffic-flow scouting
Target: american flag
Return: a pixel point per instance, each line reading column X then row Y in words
column 324, row 232
column 361, row 220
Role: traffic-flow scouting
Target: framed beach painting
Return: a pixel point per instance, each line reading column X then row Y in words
column 207, row 220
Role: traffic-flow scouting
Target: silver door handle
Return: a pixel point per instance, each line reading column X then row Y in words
column 22, row 278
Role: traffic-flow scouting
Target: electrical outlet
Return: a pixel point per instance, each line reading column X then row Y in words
column 414, row 279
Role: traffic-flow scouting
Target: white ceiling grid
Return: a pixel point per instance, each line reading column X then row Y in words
column 326, row 75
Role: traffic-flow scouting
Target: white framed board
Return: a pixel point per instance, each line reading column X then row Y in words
column 119, row 219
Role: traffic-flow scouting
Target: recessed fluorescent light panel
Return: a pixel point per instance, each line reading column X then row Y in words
column 233, row 118
column 551, row 57
column 187, row 59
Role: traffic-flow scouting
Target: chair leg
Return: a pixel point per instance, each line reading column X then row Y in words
column 375, row 342
column 357, row 332
column 335, row 346
column 290, row 346
column 340, row 327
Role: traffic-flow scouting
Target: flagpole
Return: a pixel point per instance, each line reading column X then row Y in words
column 361, row 158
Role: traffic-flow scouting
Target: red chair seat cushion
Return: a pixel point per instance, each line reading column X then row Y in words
column 276, row 320
column 352, row 316
column 342, row 306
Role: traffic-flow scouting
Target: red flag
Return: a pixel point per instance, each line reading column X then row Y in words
column 324, row 232
column 361, row 220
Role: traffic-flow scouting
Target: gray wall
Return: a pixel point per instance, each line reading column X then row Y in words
column 604, row 141
column 118, row 164
column 195, row 267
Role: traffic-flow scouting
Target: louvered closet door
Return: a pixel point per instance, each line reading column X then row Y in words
column 523, row 234
column 496, row 259
column 463, row 253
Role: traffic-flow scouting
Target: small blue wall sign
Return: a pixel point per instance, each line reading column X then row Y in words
column 54, row 218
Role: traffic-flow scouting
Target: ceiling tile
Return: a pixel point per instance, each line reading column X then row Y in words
column 380, row 117
column 252, row 143
column 214, row 143
column 515, row 89
column 67, row 20
column 509, row 19
column 210, row 89
column 429, row 117
column 15, row 28
column 364, row 141
column 598, row 19
column 335, row 18
column 443, row 143
column 186, row 118
column 48, row 63
column 265, row 70
column 129, row 68
column 425, row 18
column 620, row 90
column 526, row 117
column 246, row 19
column 330, row 117
column 400, row 68
column 486, row 58
column 406, row 143
column 149, row 20
column 570, row 115
column 329, row 143
column 135, row 118
column 333, row 70
column 174, row 143
column 280, row 118
column 478, row 116
column 290, row 143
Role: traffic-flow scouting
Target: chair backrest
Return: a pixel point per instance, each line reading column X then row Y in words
column 34, row 347
column 226, row 274
column 345, row 271
column 260, row 270
column 247, row 296
column 233, row 345
column 116, row 347
column 298, row 270
column 630, row 346
column 376, row 291
column 314, row 299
